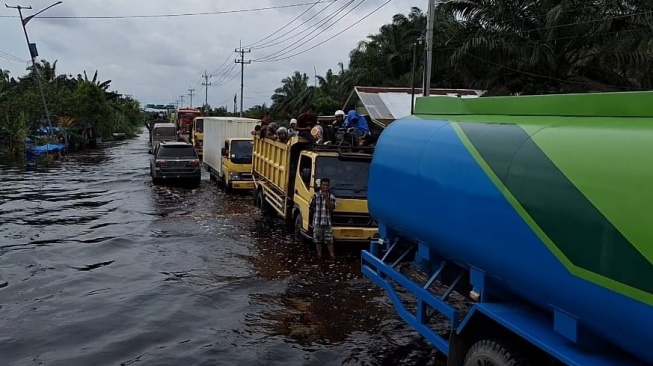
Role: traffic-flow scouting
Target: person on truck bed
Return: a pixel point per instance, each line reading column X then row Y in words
column 357, row 122
column 257, row 130
column 282, row 135
column 305, row 123
column 291, row 127
column 322, row 205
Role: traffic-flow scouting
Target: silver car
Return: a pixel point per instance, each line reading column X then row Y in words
column 173, row 160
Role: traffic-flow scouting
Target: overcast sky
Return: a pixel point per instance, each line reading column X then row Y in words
column 157, row 59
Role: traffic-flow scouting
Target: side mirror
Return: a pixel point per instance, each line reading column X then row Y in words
column 224, row 151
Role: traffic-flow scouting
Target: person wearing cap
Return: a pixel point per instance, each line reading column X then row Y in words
column 291, row 128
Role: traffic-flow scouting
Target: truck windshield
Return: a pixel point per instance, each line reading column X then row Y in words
column 199, row 125
column 165, row 133
column 348, row 178
column 241, row 151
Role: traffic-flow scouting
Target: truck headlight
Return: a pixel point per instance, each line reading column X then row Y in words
column 234, row 176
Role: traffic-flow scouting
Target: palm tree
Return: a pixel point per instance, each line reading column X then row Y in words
column 553, row 46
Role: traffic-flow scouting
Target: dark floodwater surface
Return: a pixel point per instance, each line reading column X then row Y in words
column 102, row 268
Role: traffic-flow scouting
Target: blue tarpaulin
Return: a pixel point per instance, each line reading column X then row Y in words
column 34, row 151
column 44, row 130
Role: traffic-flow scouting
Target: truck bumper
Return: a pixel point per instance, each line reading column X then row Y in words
column 242, row 184
column 355, row 234
column 158, row 174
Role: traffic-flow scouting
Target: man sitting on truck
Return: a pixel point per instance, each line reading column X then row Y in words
column 322, row 205
column 305, row 123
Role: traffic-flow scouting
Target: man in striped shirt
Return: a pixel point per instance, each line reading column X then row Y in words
column 322, row 204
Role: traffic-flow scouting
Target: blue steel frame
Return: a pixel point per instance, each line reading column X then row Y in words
column 521, row 319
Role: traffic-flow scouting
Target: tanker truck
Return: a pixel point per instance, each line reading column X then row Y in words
column 521, row 226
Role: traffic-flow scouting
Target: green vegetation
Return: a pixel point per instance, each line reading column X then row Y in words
column 505, row 47
column 75, row 103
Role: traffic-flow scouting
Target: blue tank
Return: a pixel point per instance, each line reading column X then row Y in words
column 534, row 204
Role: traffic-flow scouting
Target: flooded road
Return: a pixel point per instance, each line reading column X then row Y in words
column 101, row 268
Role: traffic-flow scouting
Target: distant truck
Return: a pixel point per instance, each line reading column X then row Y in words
column 228, row 151
column 183, row 120
column 196, row 137
column 536, row 211
column 162, row 132
column 286, row 176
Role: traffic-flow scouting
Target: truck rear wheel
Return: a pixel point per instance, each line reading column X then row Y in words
column 491, row 353
column 260, row 202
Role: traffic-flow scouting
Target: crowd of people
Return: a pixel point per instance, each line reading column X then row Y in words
column 307, row 125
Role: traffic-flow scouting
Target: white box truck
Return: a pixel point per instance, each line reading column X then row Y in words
column 228, row 143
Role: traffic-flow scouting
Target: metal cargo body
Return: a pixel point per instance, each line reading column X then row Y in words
column 553, row 203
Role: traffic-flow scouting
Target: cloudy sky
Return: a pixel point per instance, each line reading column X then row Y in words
column 157, row 59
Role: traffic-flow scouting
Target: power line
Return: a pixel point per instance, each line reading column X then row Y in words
column 270, row 59
column 225, row 74
column 279, row 39
column 221, row 65
column 171, row 15
column 242, row 63
column 9, row 56
column 320, row 31
column 290, row 22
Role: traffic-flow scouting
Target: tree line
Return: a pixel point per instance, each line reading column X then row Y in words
column 505, row 47
column 75, row 103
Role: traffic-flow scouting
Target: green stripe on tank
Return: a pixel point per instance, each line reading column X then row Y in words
column 591, row 248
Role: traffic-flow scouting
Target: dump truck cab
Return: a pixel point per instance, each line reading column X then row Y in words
column 237, row 163
column 348, row 183
column 286, row 176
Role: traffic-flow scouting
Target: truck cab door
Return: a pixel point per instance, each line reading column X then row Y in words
column 304, row 188
column 224, row 172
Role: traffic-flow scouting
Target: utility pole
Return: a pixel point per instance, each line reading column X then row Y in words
column 235, row 103
column 206, row 86
column 191, row 93
column 181, row 105
column 33, row 52
column 429, row 48
column 242, row 63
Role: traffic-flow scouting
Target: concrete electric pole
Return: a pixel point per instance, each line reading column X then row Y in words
column 242, row 63
column 206, row 90
column 181, row 104
column 191, row 92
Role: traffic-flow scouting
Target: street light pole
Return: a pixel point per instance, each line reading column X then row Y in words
column 33, row 53
column 419, row 42
column 429, row 48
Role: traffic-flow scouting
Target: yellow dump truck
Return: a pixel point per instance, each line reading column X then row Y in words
column 286, row 175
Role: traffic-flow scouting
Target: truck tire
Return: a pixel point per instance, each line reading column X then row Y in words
column 297, row 230
column 492, row 353
column 260, row 202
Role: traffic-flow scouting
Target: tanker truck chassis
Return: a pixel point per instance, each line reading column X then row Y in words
column 517, row 230
column 508, row 331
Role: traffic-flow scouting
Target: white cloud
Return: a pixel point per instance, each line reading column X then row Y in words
column 158, row 59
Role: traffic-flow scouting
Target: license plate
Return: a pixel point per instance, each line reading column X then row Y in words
column 349, row 233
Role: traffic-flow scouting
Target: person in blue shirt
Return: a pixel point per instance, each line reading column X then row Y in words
column 358, row 122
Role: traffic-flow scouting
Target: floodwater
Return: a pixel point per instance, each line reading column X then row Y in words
column 99, row 267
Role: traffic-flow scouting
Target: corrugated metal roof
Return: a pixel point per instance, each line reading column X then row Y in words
column 388, row 104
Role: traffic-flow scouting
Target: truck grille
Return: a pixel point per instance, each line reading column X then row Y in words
column 246, row 176
column 351, row 219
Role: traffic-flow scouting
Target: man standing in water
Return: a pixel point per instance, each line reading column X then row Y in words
column 322, row 204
